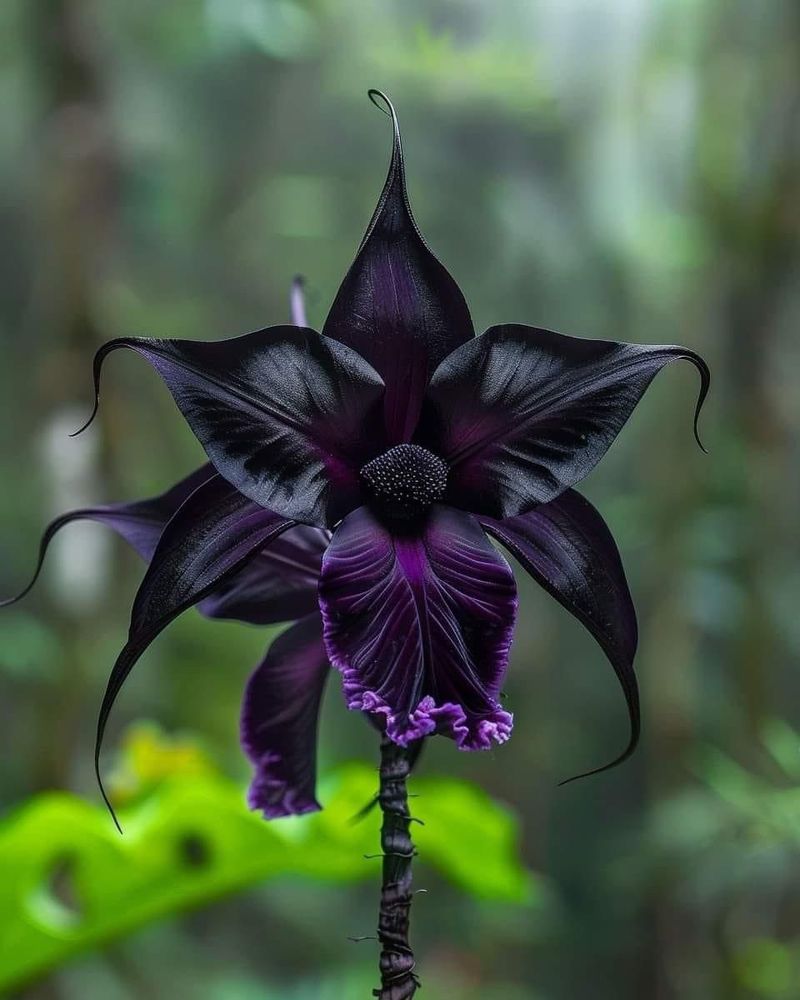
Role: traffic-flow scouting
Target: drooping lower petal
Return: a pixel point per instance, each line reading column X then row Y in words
column 566, row 547
column 279, row 584
column 139, row 523
column 398, row 306
column 279, row 720
column 420, row 625
column 212, row 535
column 521, row 414
column 284, row 414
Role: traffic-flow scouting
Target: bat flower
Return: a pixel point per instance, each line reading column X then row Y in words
column 406, row 442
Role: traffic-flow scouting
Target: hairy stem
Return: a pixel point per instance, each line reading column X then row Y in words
column 398, row 981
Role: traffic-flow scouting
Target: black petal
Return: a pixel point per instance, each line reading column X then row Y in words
column 566, row 546
column 279, row 584
column 284, row 414
column 398, row 306
column 214, row 533
column 522, row 414
column 139, row 523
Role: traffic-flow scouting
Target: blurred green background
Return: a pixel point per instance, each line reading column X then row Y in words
column 627, row 169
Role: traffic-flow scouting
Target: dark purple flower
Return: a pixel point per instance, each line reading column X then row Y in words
column 411, row 441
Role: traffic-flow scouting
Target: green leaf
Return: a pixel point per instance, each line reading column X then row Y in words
column 69, row 882
column 784, row 744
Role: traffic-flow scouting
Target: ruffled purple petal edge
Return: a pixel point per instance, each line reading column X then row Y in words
column 273, row 796
column 449, row 719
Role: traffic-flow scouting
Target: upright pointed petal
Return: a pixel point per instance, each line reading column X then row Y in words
column 139, row 523
column 522, row 414
column 566, row 547
column 420, row 625
column 279, row 584
column 279, row 720
column 284, row 414
column 398, row 306
column 211, row 536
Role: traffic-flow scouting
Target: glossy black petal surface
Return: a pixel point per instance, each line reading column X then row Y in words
column 285, row 415
column 522, row 414
column 566, row 547
column 278, row 584
column 398, row 306
column 211, row 536
column 139, row 523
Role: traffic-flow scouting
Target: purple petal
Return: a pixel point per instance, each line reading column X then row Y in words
column 211, row 536
column 398, row 306
column 522, row 414
column 566, row 546
column 420, row 626
column 284, row 414
column 277, row 585
column 279, row 721
column 139, row 523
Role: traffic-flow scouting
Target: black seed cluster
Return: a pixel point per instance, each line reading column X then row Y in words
column 405, row 480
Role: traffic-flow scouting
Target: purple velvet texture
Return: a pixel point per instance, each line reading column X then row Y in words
column 420, row 625
column 279, row 720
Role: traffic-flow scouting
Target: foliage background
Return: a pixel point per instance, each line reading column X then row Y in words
column 614, row 168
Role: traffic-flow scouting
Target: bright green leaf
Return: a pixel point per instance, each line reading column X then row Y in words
column 69, row 882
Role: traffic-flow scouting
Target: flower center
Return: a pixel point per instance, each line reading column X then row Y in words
column 405, row 480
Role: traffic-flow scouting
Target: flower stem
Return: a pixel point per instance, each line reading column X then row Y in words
column 398, row 981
